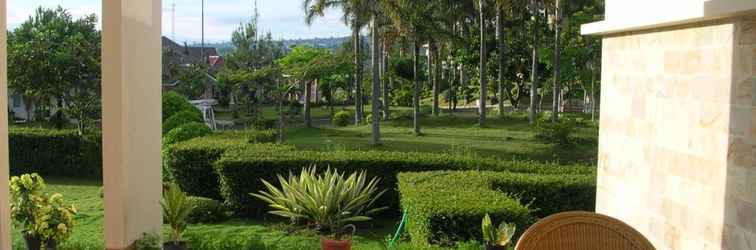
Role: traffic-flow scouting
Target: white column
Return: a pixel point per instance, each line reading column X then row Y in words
column 131, row 127
column 5, row 220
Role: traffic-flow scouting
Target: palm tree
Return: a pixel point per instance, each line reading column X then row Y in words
column 375, row 103
column 557, row 68
column 535, row 7
column 483, row 60
column 356, row 15
column 503, row 8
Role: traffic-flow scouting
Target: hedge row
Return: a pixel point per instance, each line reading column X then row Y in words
column 241, row 169
column 55, row 153
column 190, row 163
column 447, row 206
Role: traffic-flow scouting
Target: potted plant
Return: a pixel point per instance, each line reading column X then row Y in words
column 176, row 208
column 496, row 238
column 44, row 220
column 329, row 201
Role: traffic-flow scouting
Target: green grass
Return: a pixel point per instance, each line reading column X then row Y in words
column 237, row 234
column 508, row 137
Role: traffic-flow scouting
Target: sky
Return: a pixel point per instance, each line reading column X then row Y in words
column 283, row 18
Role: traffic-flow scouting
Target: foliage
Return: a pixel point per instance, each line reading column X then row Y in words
column 500, row 236
column 148, row 242
column 343, row 118
column 51, row 55
column 193, row 80
column 207, row 210
column 185, row 132
column 47, row 218
column 85, row 108
column 55, row 153
column 241, row 164
column 174, row 103
column 560, row 133
column 191, row 162
column 329, row 200
column 265, row 124
column 176, row 209
column 181, row 118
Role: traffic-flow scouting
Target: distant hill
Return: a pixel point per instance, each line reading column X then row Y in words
column 331, row 43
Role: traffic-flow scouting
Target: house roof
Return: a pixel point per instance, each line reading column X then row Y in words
column 176, row 56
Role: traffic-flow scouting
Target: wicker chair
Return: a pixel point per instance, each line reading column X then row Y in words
column 582, row 231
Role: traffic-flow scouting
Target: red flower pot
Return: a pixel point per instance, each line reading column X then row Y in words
column 331, row 244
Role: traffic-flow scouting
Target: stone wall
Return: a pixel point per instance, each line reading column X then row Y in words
column 676, row 154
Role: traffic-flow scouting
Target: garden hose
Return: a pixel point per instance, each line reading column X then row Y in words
column 398, row 233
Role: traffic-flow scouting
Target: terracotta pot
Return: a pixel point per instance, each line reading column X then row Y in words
column 33, row 242
column 331, row 244
column 173, row 246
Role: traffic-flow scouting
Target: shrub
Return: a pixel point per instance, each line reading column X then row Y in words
column 61, row 153
column 174, row 103
column 186, row 132
column 342, row 118
column 176, row 210
column 191, row 162
column 181, row 118
column 447, row 206
column 207, row 210
column 559, row 133
column 241, row 169
column 295, row 108
column 265, row 124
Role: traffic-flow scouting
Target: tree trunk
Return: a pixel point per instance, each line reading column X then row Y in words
column 375, row 102
column 433, row 75
column 482, row 70
column 534, row 75
column 593, row 92
column 307, row 104
column 416, row 83
column 557, row 68
column 358, row 115
column 280, row 116
column 452, row 78
column 386, row 82
column 502, row 60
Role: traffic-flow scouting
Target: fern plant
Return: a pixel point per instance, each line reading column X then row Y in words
column 330, row 200
column 176, row 209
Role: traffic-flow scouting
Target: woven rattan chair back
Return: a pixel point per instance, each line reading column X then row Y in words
column 582, row 231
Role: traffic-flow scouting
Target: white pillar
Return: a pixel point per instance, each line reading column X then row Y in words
column 5, row 220
column 131, row 127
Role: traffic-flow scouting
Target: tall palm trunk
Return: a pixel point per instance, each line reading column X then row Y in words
column 416, row 87
column 482, row 70
column 534, row 74
column 502, row 60
column 452, row 78
column 386, row 82
column 358, row 115
column 375, row 102
column 432, row 76
column 307, row 104
column 557, row 67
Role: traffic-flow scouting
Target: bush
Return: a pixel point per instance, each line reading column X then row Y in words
column 55, row 153
column 265, row 124
column 447, row 206
column 240, row 170
column 191, row 162
column 174, row 103
column 342, row 118
column 181, row 118
column 559, row 133
column 186, row 132
column 207, row 210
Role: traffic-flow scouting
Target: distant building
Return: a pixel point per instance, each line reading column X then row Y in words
column 179, row 57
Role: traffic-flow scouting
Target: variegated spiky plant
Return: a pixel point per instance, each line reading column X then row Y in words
column 329, row 200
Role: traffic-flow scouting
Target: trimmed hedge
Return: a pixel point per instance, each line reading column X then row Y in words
column 173, row 103
column 241, row 169
column 55, row 153
column 207, row 210
column 186, row 132
column 181, row 118
column 447, row 206
column 190, row 163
